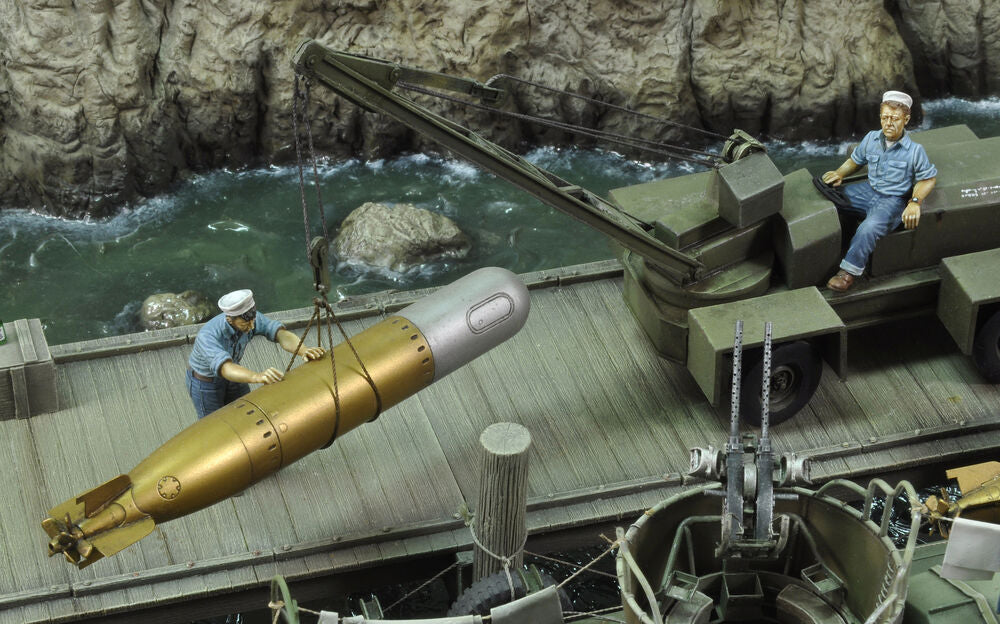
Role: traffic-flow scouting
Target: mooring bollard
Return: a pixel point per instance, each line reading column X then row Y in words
column 500, row 524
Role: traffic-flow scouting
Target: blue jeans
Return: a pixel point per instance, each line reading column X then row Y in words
column 209, row 396
column 882, row 214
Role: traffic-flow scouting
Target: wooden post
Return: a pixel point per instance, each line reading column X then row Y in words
column 500, row 523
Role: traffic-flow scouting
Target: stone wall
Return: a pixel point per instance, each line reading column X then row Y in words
column 105, row 100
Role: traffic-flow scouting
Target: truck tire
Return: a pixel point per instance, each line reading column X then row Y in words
column 796, row 368
column 986, row 349
column 493, row 591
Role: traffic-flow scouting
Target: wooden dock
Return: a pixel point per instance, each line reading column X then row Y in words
column 611, row 424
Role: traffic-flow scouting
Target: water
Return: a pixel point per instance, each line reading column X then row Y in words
column 236, row 229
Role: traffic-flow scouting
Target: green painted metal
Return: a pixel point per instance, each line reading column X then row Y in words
column 807, row 237
column 837, row 555
column 749, row 190
column 935, row 600
column 683, row 210
column 968, row 283
column 804, row 314
column 887, row 298
column 691, row 209
column 960, row 216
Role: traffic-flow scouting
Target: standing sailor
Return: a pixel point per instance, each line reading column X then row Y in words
column 214, row 375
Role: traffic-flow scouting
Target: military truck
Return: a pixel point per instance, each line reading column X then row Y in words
column 742, row 241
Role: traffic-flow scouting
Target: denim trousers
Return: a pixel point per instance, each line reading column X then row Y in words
column 881, row 213
column 209, row 396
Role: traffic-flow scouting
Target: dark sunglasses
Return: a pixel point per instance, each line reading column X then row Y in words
column 249, row 315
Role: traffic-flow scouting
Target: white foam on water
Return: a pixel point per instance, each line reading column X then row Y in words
column 417, row 159
column 358, row 273
column 458, row 171
column 29, row 223
column 982, row 116
column 791, row 149
column 959, row 106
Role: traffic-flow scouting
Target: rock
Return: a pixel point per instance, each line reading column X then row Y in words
column 398, row 237
column 955, row 45
column 165, row 310
column 102, row 103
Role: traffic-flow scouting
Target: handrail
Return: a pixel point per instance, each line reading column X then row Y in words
column 647, row 589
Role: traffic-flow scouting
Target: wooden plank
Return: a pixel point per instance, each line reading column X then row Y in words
column 608, row 418
column 664, row 392
column 657, row 401
column 88, row 444
column 23, row 565
column 27, row 614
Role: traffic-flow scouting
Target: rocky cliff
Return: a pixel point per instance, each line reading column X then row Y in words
column 104, row 100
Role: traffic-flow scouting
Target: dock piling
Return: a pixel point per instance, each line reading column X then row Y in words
column 500, row 526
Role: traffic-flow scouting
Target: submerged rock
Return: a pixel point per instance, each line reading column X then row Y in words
column 165, row 310
column 398, row 237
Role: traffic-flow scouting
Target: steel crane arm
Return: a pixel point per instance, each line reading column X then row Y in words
column 367, row 82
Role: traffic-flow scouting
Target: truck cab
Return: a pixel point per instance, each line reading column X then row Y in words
column 772, row 265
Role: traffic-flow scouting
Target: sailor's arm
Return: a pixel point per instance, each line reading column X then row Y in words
column 834, row 178
column 911, row 214
column 241, row 374
column 290, row 342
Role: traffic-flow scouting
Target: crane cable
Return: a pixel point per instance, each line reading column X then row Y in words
column 670, row 122
column 679, row 152
column 321, row 302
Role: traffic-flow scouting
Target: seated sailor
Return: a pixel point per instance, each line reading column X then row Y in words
column 900, row 177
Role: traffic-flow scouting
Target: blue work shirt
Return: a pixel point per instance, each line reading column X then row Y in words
column 218, row 341
column 893, row 171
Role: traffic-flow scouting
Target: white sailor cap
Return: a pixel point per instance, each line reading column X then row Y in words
column 236, row 302
column 897, row 96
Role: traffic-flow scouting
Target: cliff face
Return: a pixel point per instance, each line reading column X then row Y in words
column 104, row 100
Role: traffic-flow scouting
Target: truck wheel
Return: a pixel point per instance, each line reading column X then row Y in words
column 986, row 349
column 795, row 372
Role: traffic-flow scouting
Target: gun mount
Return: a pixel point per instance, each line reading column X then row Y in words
column 749, row 471
column 741, row 240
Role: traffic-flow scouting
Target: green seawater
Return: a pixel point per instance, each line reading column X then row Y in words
column 244, row 229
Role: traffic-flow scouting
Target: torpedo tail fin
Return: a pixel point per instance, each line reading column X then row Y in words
column 92, row 526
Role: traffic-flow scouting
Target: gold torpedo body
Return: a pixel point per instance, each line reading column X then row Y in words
column 277, row 424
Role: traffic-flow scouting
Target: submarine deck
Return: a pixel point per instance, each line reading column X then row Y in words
column 611, row 424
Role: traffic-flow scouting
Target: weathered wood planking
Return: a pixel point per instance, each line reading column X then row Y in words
column 611, row 425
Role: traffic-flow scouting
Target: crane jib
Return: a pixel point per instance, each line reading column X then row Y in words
column 367, row 83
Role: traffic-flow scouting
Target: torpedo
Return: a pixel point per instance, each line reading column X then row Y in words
column 277, row 424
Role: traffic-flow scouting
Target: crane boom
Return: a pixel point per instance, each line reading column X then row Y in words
column 368, row 82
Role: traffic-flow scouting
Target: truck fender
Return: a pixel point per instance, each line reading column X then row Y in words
column 969, row 295
column 796, row 315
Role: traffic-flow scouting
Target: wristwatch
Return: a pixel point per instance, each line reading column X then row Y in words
column 915, row 200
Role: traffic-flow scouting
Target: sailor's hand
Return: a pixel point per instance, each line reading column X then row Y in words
column 911, row 215
column 832, row 178
column 312, row 353
column 270, row 376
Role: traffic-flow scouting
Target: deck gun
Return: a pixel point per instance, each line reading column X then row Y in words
column 749, row 471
